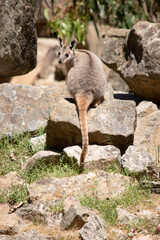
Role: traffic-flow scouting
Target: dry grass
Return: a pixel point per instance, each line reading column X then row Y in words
column 55, row 232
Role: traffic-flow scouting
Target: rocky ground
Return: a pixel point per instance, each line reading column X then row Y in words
column 42, row 194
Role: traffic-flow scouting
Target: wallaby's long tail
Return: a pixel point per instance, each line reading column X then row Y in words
column 83, row 103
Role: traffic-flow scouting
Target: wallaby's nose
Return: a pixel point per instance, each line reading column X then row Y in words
column 60, row 61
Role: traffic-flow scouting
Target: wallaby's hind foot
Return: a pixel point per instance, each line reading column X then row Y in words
column 81, row 168
column 97, row 102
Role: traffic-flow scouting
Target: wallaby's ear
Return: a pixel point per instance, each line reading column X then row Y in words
column 73, row 44
column 60, row 41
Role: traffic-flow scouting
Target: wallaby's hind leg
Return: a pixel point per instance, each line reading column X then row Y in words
column 96, row 102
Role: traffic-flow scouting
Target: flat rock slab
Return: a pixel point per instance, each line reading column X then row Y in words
column 26, row 108
column 112, row 122
column 97, row 157
column 39, row 212
column 85, row 184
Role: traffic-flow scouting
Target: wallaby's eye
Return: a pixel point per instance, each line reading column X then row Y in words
column 58, row 54
column 67, row 55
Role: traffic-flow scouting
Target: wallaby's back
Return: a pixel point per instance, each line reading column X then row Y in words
column 86, row 82
column 87, row 75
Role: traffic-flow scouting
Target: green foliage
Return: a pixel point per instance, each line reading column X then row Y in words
column 113, row 167
column 14, row 195
column 107, row 208
column 57, row 207
column 143, row 224
column 72, row 17
column 42, row 170
column 68, row 21
column 13, row 152
column 41, row 130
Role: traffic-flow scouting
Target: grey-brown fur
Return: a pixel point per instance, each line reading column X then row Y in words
column 86, row 82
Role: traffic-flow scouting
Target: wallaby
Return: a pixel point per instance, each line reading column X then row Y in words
column 86, row 82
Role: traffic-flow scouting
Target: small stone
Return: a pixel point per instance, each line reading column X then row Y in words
column 126, row 217
column 144, row 232
column 42, row 156
column 97, row 156
column 130, row 234
column 38, row 142
column 139, row 162
column 94, row 229
column 14, row 207
column 158, row 209
column 145, row 214
column 119, row 234
column 143, row 237
column 75, row 218
column 70, row 201
column 145, row 108
column 123, row 237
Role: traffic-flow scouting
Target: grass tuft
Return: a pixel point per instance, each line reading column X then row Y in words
column 14, row 195
column 143, row 224
column 43, row 170
column 107, row 208
column 13, row 153
column 57, row 207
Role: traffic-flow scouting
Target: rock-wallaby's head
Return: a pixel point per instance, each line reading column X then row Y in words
column 66, row 52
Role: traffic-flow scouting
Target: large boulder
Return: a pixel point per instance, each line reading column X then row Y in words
column 26, row 108
column 18, row 39
column 134, row 55
column 112, row 122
